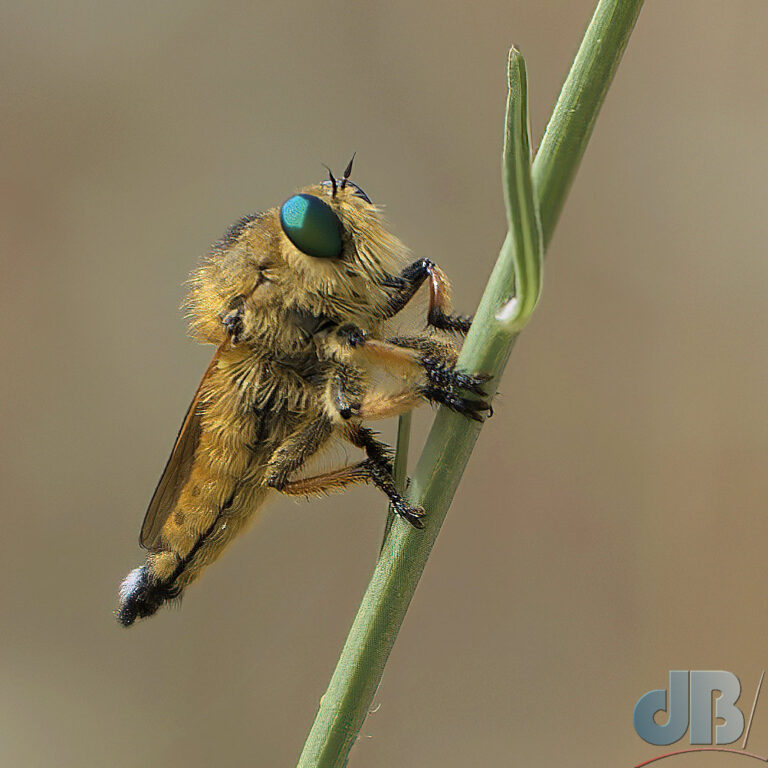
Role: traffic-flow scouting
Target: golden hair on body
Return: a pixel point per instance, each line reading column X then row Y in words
column 297, row 301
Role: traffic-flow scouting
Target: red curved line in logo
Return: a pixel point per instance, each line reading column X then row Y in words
column 704, row 749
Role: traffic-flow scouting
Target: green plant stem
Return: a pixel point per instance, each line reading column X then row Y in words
column 578, row 105
column 345, row 705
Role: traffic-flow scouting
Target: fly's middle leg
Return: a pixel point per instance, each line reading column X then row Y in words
column 428, row 365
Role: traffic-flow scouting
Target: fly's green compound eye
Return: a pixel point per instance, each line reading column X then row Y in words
column 311, row 226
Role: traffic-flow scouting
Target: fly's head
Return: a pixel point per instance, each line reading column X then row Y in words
column 322, row 256
column 338, row 250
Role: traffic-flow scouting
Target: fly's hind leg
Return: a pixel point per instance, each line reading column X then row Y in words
column 376, row 469
column 296, row 450
column 327, row 482
column 379, row 466
column 410, row 280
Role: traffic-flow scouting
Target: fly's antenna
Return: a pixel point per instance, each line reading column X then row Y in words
column 347, row 172
column 333, row 180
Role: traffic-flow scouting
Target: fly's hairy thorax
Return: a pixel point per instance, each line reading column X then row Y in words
column 249, row 406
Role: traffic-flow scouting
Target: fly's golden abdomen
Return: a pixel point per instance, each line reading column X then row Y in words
column 222, row 484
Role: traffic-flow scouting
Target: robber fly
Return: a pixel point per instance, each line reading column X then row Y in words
column 297, row 301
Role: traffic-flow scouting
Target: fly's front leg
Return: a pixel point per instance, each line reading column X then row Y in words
column 410, row 280
column 232, row 320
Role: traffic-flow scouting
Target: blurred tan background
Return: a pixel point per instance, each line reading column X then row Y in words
column 612, row 523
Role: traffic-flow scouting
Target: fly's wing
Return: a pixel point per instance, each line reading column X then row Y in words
column 176, row 470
